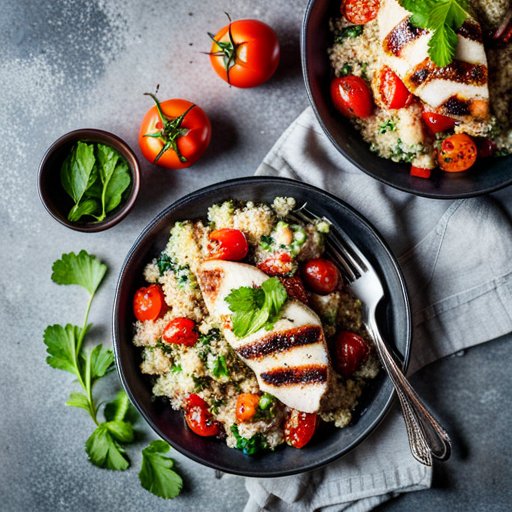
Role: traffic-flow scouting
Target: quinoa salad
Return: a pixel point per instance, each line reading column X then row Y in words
column 416, row 111
column 200, row 373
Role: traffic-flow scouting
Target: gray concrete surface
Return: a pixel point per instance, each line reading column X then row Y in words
column 73, row 64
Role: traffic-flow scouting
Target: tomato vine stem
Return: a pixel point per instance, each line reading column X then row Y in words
column 170, row 132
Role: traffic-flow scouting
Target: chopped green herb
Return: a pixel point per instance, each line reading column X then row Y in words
column 176, row 368
column 388, row 126
column 220, row 367
column 266, row 242
column 165, row 263
column 346, row 69
column 199, row 382
column 250, row 446
column 349, row 32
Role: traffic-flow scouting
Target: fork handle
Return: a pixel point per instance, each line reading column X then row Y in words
column 427, row 438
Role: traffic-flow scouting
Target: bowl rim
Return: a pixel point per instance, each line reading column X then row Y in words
column 431, row 195
column 406, row 351
column 127, row 153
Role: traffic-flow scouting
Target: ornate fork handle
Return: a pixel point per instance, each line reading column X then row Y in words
column 427, row 437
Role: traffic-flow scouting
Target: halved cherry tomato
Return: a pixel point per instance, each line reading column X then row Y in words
column 351, row 96
column 458, row 153
column 174, row 133
column 437, row 123
column 420, row 172
column 350, row 352
column 277, row 265
column 181, row 331
column 295, row 288
column 149, row 303
column 299, row 428
column 360, row 12
column 321, row 276
column 245, row 53
column 232, row 245
column 246, row 406
column 199, row 418
column 392, row 90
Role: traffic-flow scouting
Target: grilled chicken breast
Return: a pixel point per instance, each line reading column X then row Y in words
column 290, row 361
column 457, row 90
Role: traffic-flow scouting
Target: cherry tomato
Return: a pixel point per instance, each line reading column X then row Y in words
column 321, row 276
column 246, row 406
column 437, row 123
column 360, row 12
column 245, row 53
column 174, row 133
column 420, row 172
column 458, row 153
column 232, row 245
column 392, row 90
column 277, row 265
column 149, row 303
column 351, row 351
column 199, row 418
column 299, row 428
column 485, row 147
column 351, row 96
column 295, row 288
column 181, row 331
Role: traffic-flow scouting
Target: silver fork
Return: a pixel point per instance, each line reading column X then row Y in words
column 427, row 438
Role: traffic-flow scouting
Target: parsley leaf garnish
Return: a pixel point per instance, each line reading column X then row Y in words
column 255, row 308
column 443, row 18
column 250, row 446
column 156, row 474
column 220, row 367
column 65, row 352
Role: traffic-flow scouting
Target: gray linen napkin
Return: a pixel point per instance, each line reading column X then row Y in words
column 455, row 256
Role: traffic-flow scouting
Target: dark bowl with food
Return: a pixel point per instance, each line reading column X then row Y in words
column 170, row 425
column 58, row 202
column 485, row 176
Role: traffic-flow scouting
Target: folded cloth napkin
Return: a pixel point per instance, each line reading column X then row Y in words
column 455, row 256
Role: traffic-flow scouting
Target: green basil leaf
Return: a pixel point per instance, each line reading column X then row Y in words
column 88, row 206
column 76, row 170
column 107, row 160
column 118, row 183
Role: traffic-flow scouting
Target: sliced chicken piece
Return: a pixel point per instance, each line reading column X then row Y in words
column 291, row 361
column 457, row 90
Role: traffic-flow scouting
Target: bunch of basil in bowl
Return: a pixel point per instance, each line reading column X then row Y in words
column 89, row 180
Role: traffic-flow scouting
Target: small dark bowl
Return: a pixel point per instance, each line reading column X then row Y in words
column 331, row 443
column 487, row 175
column 56, row 200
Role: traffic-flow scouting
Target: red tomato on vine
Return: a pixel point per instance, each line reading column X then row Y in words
column 245, row 53
column 174, row 133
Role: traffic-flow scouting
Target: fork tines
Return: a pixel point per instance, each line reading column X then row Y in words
column 339, row 245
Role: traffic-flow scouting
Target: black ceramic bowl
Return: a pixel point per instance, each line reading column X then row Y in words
column 487, row 175
column 170, row 425
column 56, row 200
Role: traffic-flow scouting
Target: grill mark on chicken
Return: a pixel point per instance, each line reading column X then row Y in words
column 281, row 342
column 210, row 281
column 298, row 375
column 401, row 36
column 458, row 71
column 471, row 30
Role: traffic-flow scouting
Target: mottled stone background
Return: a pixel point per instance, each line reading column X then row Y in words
column 86, row 64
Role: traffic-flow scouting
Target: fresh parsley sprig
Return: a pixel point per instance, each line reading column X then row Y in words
column 255, row 308
column 66, row 352
column 443, row 18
